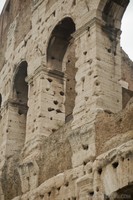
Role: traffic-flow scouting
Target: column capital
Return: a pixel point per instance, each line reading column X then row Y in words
column 43, row 70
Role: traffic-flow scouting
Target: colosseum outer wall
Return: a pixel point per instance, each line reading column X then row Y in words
column 66, row 128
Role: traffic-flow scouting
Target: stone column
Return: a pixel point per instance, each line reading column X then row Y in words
column 99, row 71
column 46, row 102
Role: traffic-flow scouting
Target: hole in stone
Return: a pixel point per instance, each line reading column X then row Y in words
column 86, row 98
column 100, row 171
column 115, row 165
column 91, row 193
column 85, row 146
column 53, row 130
column 85, row 52
column 120, row 120
column 56, row 102
column 47, row 89
column 97, row 83
column 50, row 109
column 58, row 111
column 109, row 50
column 54, row 13
column 89, row 61
column 62, row 93
column 88, row 28
column 67, row 184
column 58, row 188
column 49, row 79
column 51, row 118
column 84, row 163
column 49, row 193
column 74, row 3
column 20, row 112
column 41, row 196
column 97, row 189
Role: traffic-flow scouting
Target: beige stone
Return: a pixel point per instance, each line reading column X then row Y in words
column 66, row 88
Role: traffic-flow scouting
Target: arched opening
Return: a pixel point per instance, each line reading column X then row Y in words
column 19, row 106
column 113, row 11
column 61, row 58
column 58, row 43
column 21, row 88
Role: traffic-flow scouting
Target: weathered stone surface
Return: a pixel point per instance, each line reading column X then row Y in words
column 66, row 88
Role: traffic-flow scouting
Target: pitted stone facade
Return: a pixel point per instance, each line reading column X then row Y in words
column 66, row 107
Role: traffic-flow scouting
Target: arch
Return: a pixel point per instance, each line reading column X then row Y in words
column 61, row 57
column 112, row 10
column 58, row 43
column 20, row 86
column 19, row 105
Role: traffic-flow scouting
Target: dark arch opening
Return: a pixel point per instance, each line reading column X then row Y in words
column 58, row 43
column 114, row 10
column 61, row 57
column 21, row 87
column 19, row 106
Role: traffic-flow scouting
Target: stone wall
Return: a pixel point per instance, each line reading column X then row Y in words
column 65, row 101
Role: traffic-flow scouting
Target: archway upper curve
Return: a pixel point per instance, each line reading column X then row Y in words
column 58, row 42
column 112, row 10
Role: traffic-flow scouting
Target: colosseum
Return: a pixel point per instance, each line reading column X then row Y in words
column 66, row 106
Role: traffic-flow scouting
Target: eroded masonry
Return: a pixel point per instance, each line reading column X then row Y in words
column 66, row 106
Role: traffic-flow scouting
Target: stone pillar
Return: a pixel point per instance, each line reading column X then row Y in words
column 108, row 63
column 99, row 71
column 46, row 103
column 14, row 128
